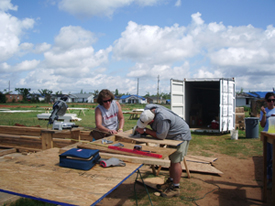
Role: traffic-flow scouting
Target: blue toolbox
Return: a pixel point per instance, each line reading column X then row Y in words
column 82, row 159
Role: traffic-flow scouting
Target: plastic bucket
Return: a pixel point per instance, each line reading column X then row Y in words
column 252, row 127
column 234, row 134
column 271, row 124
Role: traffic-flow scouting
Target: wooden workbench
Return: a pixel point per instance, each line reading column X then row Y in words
column 268, row 137
column 39, row 176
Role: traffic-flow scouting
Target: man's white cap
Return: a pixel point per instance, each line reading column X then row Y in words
column 145, row 118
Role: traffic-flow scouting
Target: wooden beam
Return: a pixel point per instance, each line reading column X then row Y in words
column 46, row 139
column 186, row 168
column 21, row 149
column 7, row 151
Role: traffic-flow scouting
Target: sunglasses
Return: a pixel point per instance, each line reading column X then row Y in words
column 109, row 100
column 269, row 100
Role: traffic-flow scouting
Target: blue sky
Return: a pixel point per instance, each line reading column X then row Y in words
column 83, row 45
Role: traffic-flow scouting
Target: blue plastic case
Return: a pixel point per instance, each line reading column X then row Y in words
column 82, row 159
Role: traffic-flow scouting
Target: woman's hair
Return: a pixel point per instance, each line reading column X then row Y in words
column 269, row 94
column 104, row 93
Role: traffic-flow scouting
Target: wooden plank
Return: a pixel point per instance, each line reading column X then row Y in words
column 134, row 159
column 186, row 168
column 30, row 141
column 32, row 131
column 192, row 166
column 201, row 159
column 60, row 185
column 7, row 151
column 21, row 149
column 46, row 139
column 165, row 152
column 148, row 139
column 35, row 131
column 75, row 135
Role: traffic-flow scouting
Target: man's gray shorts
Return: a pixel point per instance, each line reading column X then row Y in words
column 178, row 155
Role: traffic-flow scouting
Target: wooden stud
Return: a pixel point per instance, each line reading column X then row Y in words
column 186, row 168
column 47, row 139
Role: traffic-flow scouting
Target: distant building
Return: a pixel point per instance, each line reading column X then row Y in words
column 81, row 98
column 132, row 99
column 247, row 98
column 156, row 100
column 244, row 99
column 36, row 97
column 14, row 98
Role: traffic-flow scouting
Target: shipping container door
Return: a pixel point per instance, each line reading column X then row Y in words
column 177, row 97
column 227, row 104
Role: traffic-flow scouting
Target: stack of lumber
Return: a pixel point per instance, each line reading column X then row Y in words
column 240, row 116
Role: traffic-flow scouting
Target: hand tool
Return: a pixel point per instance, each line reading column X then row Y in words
column 118, row 145
column 105, row 141
column 139, row 148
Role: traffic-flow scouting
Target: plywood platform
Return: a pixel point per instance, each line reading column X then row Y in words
column 38, row 176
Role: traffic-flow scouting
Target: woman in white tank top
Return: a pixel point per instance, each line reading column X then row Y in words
column 108, row 114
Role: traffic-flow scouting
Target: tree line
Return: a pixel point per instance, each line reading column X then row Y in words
column 46, row 93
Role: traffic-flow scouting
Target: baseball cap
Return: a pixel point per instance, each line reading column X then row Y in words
column 145, row 118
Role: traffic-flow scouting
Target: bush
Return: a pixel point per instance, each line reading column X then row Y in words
column 3, row 98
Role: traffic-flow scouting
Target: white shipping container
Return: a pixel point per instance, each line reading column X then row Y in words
column 205, row 103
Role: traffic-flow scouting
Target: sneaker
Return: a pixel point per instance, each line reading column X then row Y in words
column 171, row 191
column 167, row 184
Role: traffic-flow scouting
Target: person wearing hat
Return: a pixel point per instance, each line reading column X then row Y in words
column 165, row 124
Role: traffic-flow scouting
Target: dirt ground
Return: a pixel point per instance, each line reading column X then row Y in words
column 241, row 184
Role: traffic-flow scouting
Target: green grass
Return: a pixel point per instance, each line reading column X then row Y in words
column 204, row 144
column 29, row 202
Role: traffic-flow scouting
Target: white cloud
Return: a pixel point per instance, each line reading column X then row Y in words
column 26, row 46
column 178, row 3
column 71, row 63
column 43, row 47
column 71, row 37
column 4, row 67
column 11, row 31
column 22, row 66
column 204, row 73
column 6, row 5
column 197, row 18
column 26, row 65
column 200, row 50
column 153, row 44
column 221, row 51
column 86, row 8
column 73, row 54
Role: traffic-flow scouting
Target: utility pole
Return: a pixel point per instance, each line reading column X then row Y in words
column 137, row 85
column 158, row 91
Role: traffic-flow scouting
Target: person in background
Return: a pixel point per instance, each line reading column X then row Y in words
column 264, row 115
column 165, row 124
column 108, row 114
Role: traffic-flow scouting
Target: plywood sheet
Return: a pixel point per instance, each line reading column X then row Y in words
column 38, row 175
